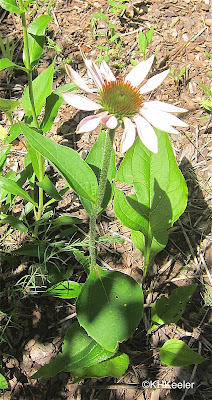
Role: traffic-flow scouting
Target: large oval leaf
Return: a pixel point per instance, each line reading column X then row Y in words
column 67, row 161
column 114, row 367
column 109, row 307
column 160, row 193
column 78, row 351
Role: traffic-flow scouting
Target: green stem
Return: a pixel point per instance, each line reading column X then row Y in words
column 31, row 96
column 107, row 151
column 148, row 243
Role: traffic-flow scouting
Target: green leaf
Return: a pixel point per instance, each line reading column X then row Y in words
column 94, row 160
column 14, row 132
column 78, row 351
column 36, row 32
column 114, row 37
column 34, row 157
column 3, row 382
column 49, row 188
column 3, row 156
column 160, row 193
column 8, row 105
column 205, row 89
column 170, row 310
column 176, row 353
column 66, row 220
column 12, row 187
column 115, row 367
column 11, row 6
column 142, row 42
column 100, row 16
column 42, row 87
column 149, row 35
column 67, row 161
column 207, row 104
column 64, row 290
column 7, row 63
column 53, row 102
column 14, row 222
column 83, row 260
column 109, row 307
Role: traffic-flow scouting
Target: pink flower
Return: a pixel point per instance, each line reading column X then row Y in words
column 120, row 101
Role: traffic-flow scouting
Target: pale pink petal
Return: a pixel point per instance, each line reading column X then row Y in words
column 80, row 102
column 90, row 123
column 77, row 79
column 129, row 135
column 161, row 106
column 110, row 121
column 146, row 133
column 139, row 72
column 162, row 120
column 153, row 82
column 106, row 72
column 94, row 73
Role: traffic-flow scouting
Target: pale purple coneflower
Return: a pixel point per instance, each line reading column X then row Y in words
column 118, row 100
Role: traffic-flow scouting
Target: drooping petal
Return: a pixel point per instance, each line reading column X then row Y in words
column 80, row 102
column 78, row 80
column 161, row 106
column 139, row 72
column 106, row 72
column 90, row 123
column 162, row 120
column 146, row 133
column 110, row 121
column 153, row 82
column 129, row 135
column 94, row 73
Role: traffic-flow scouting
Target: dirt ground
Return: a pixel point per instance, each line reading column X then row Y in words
column 34, row 335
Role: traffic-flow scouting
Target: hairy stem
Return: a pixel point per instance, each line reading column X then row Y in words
column 107, row 151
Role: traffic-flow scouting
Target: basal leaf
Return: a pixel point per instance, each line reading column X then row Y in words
column 64, row 290
column 36, row 32
column 67, row 161
column 114, row 367
column 3, row 382
column 42, row 87
column 78, row 351
column 170, row 310
column 176, row 353
column 109, row 307
column 160, row 192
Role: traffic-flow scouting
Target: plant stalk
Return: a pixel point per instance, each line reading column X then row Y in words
column 31, row 96
column 107, row 151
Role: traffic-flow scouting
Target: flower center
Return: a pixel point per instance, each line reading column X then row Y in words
column 120, row 98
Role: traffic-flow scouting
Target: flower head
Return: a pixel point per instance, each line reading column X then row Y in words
column 117, row 100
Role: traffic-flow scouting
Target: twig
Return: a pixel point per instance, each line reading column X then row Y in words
column 206, row 268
